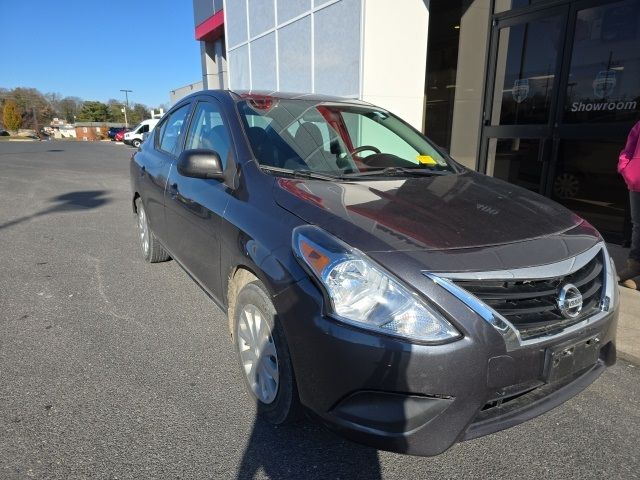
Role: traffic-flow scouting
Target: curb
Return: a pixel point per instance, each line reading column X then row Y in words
column 629, row 358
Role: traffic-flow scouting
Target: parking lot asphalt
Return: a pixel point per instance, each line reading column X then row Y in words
column 114, row 368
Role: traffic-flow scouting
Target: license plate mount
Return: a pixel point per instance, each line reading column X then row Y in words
column 565, row 360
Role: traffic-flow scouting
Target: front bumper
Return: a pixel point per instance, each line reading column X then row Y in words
column 420, row 399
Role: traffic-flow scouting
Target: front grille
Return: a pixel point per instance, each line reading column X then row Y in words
column 531, row 304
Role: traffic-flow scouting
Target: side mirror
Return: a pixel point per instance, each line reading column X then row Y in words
column 200, row 163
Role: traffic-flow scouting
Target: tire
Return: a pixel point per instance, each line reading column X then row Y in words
column 263, row 356
column 136, row 142
column 152, row 250
column 566, row 186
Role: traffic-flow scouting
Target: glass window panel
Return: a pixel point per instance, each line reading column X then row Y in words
column 208, row 131
column 288, row 9
column 604, row 76
column 294, row 56
column 365, row 131
column 262, row 16
column 239, row 68
column 525, row 71
column 337, row 49
column 587, row 182
column 516, row 161
column 171, row 130
column 504, row 5
column 235, row 17
column 263, row 63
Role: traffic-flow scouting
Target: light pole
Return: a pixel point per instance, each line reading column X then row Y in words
column 126, row 96
column 126, row 122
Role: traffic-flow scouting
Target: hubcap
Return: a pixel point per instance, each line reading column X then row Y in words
column 143, row 229
column 258, row 354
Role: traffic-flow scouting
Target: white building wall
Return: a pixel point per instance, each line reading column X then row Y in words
column 394, row 51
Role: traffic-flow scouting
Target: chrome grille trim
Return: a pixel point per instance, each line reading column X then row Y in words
column 510, row 333
column 540, row 272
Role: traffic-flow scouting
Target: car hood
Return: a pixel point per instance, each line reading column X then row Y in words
column 439, row 213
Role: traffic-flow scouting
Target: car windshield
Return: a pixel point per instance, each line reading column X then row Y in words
column 336, row 139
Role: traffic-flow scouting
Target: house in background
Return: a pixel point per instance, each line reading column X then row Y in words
column 93, row 131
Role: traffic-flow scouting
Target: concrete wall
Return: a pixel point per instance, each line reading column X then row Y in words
column 214, row 64
column 180, row 92
column 468, row 103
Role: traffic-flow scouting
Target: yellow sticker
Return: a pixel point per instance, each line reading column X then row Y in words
column 426, row 160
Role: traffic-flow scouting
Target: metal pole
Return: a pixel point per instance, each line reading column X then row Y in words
column 126, row 96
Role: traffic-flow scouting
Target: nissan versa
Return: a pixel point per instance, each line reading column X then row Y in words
column 406, row 301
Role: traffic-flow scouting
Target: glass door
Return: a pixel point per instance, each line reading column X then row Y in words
column 599, row 105
column 527, row 52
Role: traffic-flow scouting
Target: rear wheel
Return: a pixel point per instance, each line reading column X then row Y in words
column 263, row 355
column 152, row 250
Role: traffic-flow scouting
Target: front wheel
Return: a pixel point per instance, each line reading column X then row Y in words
column 136, row 142
column 264, row 355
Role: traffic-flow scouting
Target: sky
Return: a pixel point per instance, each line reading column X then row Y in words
column 93, row 49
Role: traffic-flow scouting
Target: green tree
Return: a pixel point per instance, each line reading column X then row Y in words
column 93, row 111
column 138, row 113
column 69, row 107
column 11, row 116
column 30, row 101
column 115, row 111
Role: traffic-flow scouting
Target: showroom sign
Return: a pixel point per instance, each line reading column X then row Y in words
column 603, row 106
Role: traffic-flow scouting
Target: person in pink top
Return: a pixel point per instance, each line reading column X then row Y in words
column 629, row 168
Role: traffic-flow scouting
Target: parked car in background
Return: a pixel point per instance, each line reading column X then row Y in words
column 407, row 301
column 113, row 131
column 134, row 137
column 4, row 133
column 119, row 137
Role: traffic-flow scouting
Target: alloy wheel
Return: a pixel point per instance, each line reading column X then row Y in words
column 143, row 229
column 258, row 354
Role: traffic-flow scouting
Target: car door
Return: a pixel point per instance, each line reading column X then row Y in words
column 155, row 162
column 194, row 206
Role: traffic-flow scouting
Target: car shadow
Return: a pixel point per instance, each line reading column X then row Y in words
column 306, row 450
column 67, row 202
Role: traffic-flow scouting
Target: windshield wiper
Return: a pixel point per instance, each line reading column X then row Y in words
column 400, row 171
column 300, row 173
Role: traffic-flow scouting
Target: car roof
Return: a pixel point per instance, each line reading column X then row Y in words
column 257, row 94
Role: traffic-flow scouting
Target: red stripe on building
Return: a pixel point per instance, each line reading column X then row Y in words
column 212, row 28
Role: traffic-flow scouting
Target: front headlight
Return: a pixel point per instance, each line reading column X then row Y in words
column 363, row 294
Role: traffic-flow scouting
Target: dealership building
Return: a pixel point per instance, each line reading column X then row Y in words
column 541, row 93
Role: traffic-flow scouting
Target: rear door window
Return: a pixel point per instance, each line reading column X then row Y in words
column 171, row 129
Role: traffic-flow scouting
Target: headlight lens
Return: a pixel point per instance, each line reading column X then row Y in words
column 363, row 294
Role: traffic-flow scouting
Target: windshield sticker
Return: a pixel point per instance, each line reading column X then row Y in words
column 426, row 160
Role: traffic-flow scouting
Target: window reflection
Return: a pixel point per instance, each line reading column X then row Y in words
column 587, row 182
column 525, row 71
column 516, row 161
column 604, row 77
